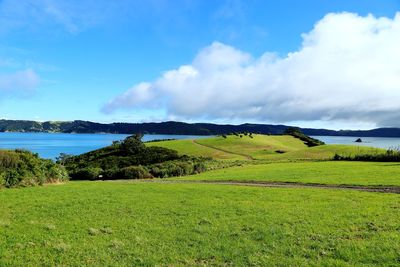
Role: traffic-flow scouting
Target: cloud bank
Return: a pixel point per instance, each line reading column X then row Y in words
column 18, row 84
column 347, row 69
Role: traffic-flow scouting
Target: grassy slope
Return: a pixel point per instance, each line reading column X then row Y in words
column 111, row 223
column 261, row 147
column 328, row 172
column 189, row 147
column 233, row 147
column 324, row 152
column 257, row 147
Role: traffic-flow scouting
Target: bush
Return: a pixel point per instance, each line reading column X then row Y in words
column 11, row 178
column 134, row 172
column 178, row 168
column 56, row 173
column 23, row 168
column 89, row 173
column 199, row 167
column 2, row 181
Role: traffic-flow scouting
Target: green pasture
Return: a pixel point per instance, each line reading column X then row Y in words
column 191, row 148
column 184, row 223
column 323, row 172
column 150, row 224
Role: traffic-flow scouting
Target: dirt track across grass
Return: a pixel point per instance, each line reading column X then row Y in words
column 223, row 150
column 379, row 189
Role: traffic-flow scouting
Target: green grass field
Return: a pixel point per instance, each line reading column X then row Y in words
column 185, row 223
column 324, row 172
column 148, row 224
column 326, row 152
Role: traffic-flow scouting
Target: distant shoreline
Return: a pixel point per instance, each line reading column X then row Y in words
column 175, row 128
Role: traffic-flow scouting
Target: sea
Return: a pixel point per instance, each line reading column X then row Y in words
column 379, row 142
column 50, row 145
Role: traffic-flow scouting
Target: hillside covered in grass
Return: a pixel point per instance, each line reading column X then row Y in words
column 234, row 147
column 260, row 147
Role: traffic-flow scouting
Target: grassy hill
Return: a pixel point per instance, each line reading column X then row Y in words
column 260, row 147
column 193, row 148
column 234, row 147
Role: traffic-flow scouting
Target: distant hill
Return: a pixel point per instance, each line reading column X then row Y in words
column 172, row 127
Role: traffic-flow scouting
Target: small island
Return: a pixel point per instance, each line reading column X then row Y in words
column 359, row 140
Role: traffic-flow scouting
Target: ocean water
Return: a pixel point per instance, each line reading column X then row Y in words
column 379, row 142
column 50, row 145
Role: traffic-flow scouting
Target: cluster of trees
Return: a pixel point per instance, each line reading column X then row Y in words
column 239, row 134
column 297, row 133
column 131, row 159
column 23, row 168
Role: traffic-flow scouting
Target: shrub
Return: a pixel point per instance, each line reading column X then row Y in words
column 199, row 167
column 23, row 168
column 2, row 180
column 134, row 172
column 55, row 172
column 89, row 173
column 178, row 168
column 11, row 178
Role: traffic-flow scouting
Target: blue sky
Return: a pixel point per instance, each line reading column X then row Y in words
column 68, row 59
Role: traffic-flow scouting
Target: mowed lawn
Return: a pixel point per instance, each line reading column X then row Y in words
column 321, row 172
column 147, row 224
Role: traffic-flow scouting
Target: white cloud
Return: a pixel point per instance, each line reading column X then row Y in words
column 347, row 69
column 20, row 84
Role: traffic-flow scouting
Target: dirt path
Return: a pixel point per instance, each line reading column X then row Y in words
column 225, row 151
column 380, row 189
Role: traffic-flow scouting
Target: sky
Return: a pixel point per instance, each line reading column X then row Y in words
column 312, row 63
